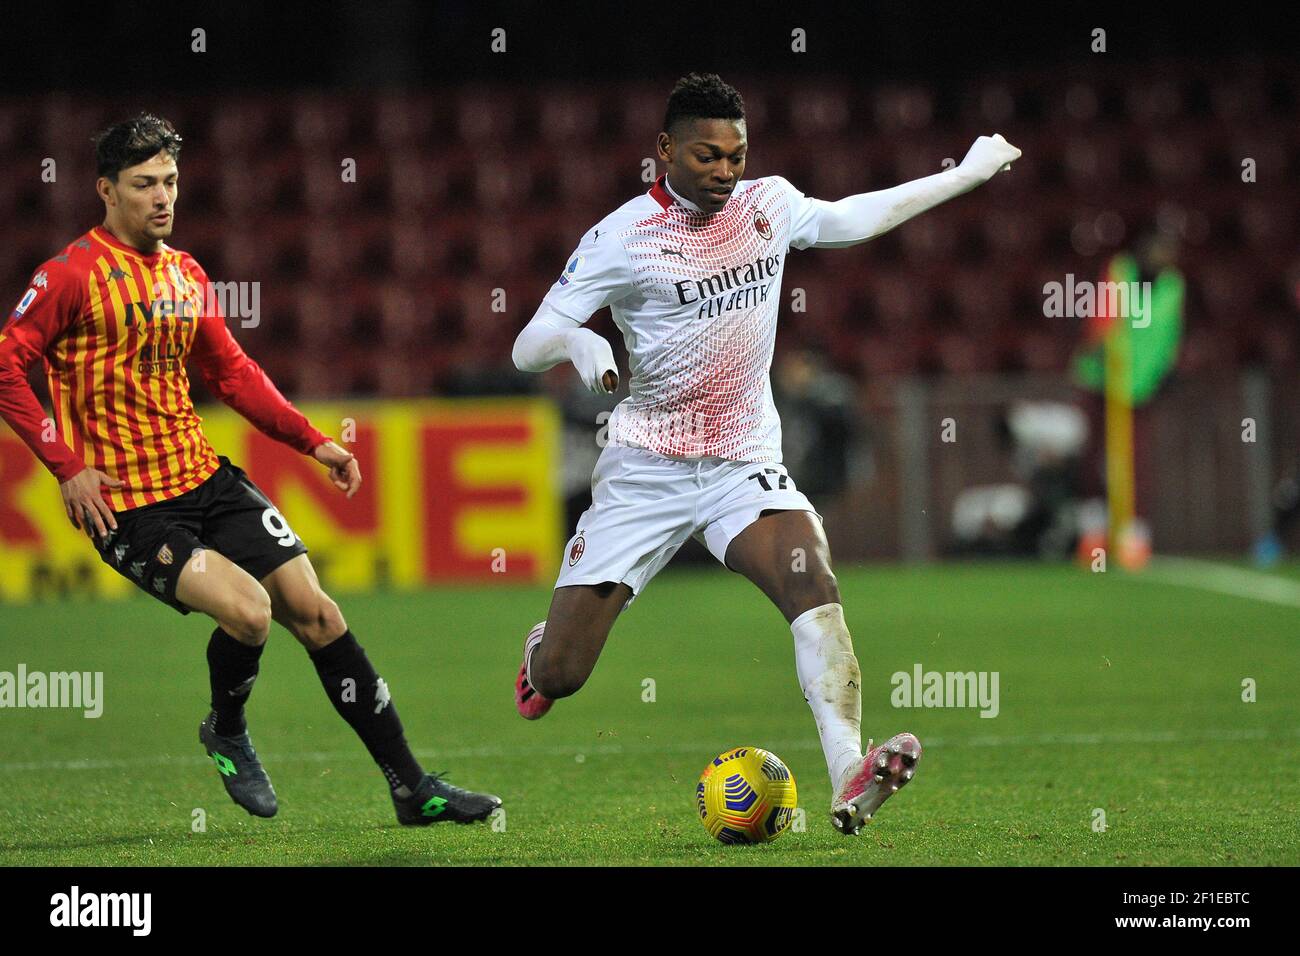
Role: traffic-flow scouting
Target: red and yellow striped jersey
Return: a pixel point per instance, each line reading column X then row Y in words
column 115, row 328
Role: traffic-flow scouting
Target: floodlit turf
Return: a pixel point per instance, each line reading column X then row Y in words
column 1117, row 694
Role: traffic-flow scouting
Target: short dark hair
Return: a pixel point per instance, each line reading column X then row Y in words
column 133, row 141
column 702, row 96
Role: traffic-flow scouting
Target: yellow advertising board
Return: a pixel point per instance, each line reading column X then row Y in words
column 453, row 490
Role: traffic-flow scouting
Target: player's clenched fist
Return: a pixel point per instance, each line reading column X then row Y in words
column 85, row 506
column 988, row 154
column 594, row 360
column 345, row 473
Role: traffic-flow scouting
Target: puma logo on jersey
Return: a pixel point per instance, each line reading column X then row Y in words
column 663, row 251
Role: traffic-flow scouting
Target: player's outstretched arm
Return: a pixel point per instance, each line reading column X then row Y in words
column 235, row 379
column 856, row 219
column 550, row 338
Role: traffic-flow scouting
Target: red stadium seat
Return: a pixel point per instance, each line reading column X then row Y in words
column 462, row 191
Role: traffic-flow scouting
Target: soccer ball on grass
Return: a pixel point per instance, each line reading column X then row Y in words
column 746, row 795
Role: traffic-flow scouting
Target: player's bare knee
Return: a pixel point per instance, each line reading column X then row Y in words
column 331, row 619
column 249, row 621
column 828, row 586
column 320, row 624
column 803, row 592
column 822, row 581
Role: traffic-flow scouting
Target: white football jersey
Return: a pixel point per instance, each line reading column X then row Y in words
column 696, row 297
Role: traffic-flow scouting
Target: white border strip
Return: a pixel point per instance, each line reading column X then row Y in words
column 1223, row 579
column 703, row 748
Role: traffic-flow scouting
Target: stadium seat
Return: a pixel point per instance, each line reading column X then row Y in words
column 465, row 190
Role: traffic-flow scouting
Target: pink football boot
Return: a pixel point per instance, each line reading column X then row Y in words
column 530, row 704
column 869, row 784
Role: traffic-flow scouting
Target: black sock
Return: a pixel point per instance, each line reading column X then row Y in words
column 232, row 668
column 356, row 691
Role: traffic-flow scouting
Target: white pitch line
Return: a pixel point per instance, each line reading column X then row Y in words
column 1223, row 579
column 614, row 749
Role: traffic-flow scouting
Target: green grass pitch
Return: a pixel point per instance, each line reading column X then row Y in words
column 1117, row 693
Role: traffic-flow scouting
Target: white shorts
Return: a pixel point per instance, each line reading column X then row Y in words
column 644, row 506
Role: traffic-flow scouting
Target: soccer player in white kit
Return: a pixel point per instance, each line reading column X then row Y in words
column 691, row 271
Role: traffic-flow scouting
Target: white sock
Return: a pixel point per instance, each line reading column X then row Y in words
column 530, row 645
column 828, row 673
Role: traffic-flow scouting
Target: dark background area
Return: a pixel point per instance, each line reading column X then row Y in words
column 347, row 45
column 477, row 171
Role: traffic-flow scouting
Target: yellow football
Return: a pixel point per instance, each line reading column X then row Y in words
column 746, row 795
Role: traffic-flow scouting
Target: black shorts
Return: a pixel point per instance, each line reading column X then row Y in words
column 227, row 514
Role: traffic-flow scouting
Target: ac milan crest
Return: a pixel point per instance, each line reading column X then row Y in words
column 762, row 226
column 575, row 552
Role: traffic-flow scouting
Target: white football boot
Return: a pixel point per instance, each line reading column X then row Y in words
column 868, row 784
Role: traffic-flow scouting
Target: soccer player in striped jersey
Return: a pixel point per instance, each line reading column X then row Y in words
column 691, row 271
column 114, row 317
